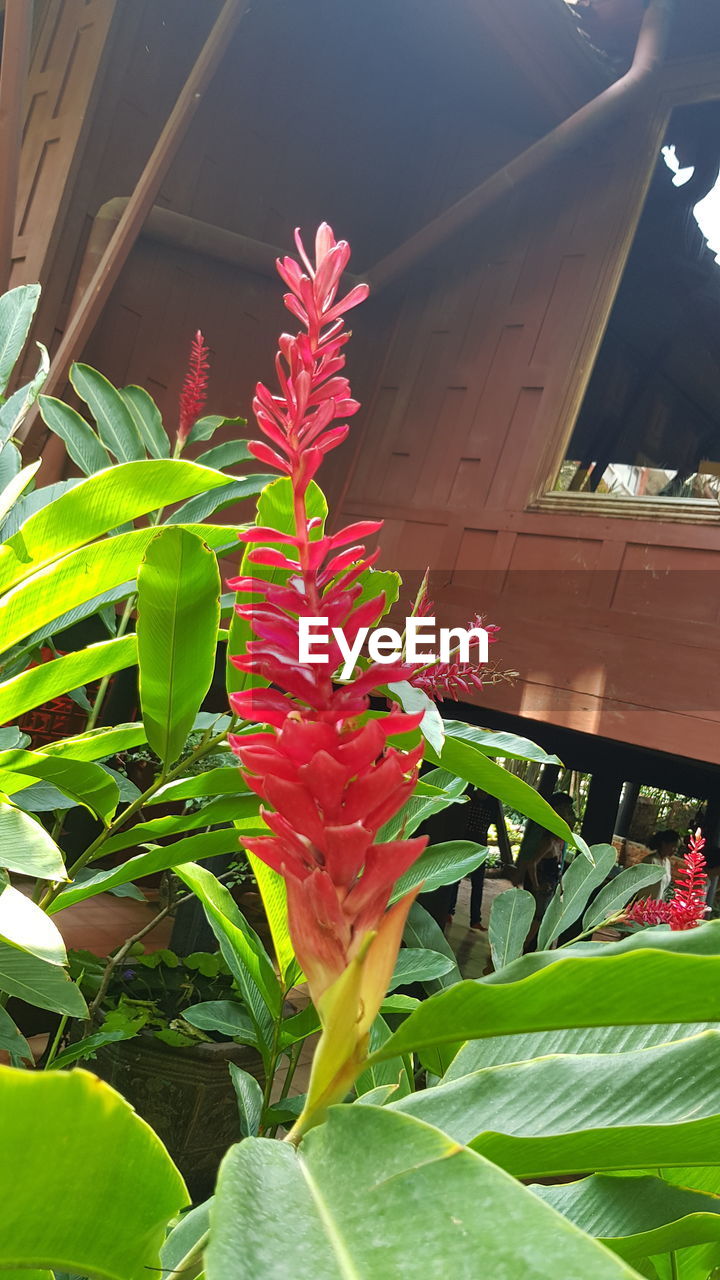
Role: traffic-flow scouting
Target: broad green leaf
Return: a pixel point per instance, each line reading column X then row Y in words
column 227, row 1017
column 391, row 1075
column 422, row 931
column 10, row 460
column 511, row 917
column 275, row 511
column 494, row 743
column 421, row 805
column 15, row 487
column 11, row 736
column 41, row 684
column 12, row 1041
column 148, row 420
column 115, row 423
column 498, row 1050
column 47, row 986
column 222, row 809
column 675, row 977
column 274, row 896
column 226, row 455
column 178, row 613
column 205, row 504
column 566, row 1114
column 415, row 965
column 87, row 1048
column 571, row 896
column 26, row 847
column 176, row 1253
column 84, row 782
column 14, row 410
column 223, row 781
column 241, row 947
column 83, row 575
column 414, row 700
column 205, row 428
column 250, row 1100
column 98, row 744
column 17, row 308
column 637, row 1218
column 24, row 925
column 374, row 1193
column 618, row 893
column 78, row 437
column 125, row 1187
column 207, row 845
column 34, row 500
column 700, row 1261
column 441, row 864
column 96, row 506
column 468, row 761
column 299, row 1026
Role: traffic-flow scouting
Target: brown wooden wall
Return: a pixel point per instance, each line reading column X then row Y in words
column 467, row 370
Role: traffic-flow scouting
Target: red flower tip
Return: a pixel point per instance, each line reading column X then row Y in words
column 194, row 391
column 686, row 909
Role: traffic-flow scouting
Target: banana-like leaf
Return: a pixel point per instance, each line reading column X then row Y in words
column 222, row 809
column 249, row 1096
column 148, row 420
column 223, row 781
column 17, row 308
column 13, row 1042
column 41, row 684
column 441, row 864
column 226, row 455
column 509, row 746
column 447, row 789
column 114, row 1223
column 85, row 783
column 24, row 925
column 233, row 491
column 15, row 487
column 98, row 744
column 78, row 437
column 16, row 407
column 224, row 1016
column 178, row 612
column 419, row 965
column 274, row 896
column 27, row 848
column 115, row 423
column 414, row 700
column 45, row 985
column 571, row 896
column 392, row 1075
column 618, row 893
column 511, row 917
column 372, row 1191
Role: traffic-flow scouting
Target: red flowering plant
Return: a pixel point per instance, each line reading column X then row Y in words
column 687, row 907
column 329, row 776
column 194, row 390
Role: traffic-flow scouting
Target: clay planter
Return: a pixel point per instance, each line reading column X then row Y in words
column 185, row 1094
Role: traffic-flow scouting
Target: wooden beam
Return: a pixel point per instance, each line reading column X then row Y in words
column 13, row 77
column 139, row 204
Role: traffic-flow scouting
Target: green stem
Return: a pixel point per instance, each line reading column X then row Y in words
column 105, row 682
column 56, row 1042
column 94, row 850
column 292, row 1067
column 183, row 1269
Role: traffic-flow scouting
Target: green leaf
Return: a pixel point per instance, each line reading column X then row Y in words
column 674, row 977
column 274, row 897
column 226, row 1017
column 660, row 1107
column 618, row 893
column 89, row 1045
column 148, row 420
column 10, row 462
column 242, row 949
column 205, row 428
column 206, row 845
column 223, row 809
column 441, row 864
column 637, row 1218
column 26, row 847
column 205, row 504
column 41, row 684
column 178, row 614
column 12, row 1041
column 178, row 1254
column 511, row 917
column 47, row 986
column 15, row 487
column 421, row 805
column 113, row 1224
column 98, row 744
column 414, row 965
column 78, row 437
column 571, row 896
column 508, row 745
column 97, row 505
column 373, row 1193
column 87, row 784
column 115, row 423
column 422, row 931
column 223, row 781
column 24, row 925
column 415, row 700
column 392, row 1075
column 226, row 455
column 17, row 308
column 467, row 761
column 250, row 1101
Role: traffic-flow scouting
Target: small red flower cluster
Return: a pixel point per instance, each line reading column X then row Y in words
column 194, row 391
column 448, row 679
column 331, row 781
column 687, row 907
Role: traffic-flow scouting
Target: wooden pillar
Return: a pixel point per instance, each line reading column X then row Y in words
column 548, row 780
column 13, row 80
column 602, row 808
column 626, row 812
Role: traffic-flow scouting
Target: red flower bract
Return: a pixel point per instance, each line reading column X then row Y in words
column 686, row 909
column 328, row 775
column 194, row 391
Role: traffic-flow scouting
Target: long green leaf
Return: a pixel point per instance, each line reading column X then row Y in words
column 618, row 893
column 13, row 1042
column 495, row 743
column 148, row 420
column 376, row 1194
column 222, row 809
column 24, row 925
column 441, row 864
column 224, row 1016
column 571, row 895
column 41, row 684
column 15, row 487
column 419, row 965
column 125, row 1187
column 98, row 744
column 274, row 896
column 17, row 308
column 86, row 783
column 250, row 1100
column 227, row 780
column 178, row 614
column 205, row 504
column 115, row 423
column 16, row 407
column 27, row 848
column 511, row 916
column 47, row 986
column 78, row 437
column 226, row 455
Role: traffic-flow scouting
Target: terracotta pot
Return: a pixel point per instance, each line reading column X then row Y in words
column 185, row 1094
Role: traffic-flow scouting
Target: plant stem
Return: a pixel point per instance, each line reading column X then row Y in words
column 292, row 1067
column 105, row 682
column 93, row 850
column 56, row 1042
column 182, row 1270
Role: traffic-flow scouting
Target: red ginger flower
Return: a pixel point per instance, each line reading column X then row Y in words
column 330, row 781
column 194, row 391
column 686, row 909
column 447, row 679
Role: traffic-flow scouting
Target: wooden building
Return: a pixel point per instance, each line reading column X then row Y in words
column 540, row 359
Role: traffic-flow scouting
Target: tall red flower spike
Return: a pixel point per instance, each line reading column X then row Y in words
column 329, row 781
column 686, row 909
column 194, row 391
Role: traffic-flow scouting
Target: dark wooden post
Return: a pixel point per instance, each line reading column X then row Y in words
column 630, row 794
column 602, row 808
